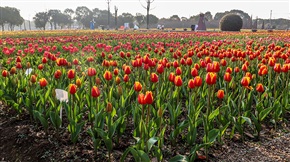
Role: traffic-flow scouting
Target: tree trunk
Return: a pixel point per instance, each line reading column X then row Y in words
column 50, row 26
column 147, row 18
column 2, row 27
column 29, row 25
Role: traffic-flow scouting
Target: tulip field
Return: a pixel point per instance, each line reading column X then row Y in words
column 189, row 89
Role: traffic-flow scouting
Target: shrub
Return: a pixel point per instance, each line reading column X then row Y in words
column 231, row 22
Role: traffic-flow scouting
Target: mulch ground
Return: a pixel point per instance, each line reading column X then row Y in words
column 23, row 140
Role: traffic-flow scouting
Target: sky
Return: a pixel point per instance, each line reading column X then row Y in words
column 160, row 8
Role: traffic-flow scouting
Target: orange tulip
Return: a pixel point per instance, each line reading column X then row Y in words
column 227, row 77
column 141, row 99
column 220, row 94
column 44, row 60
column 33, row 79
column 92, row 71
column 42, row 82
column 72, row 88
column 78, row 82
column 138, row 86
column 108, row 75
column 211, row 78
column 109, row 107
column 95, row 92
column 13, row 70
column 277, row 68
column 148, row 97
column 197, row 81
column 178, row 81
column 245, row 81
column 229, row 70
column 117, row 80
column 260, row 88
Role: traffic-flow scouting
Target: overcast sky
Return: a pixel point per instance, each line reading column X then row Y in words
column 161, row 8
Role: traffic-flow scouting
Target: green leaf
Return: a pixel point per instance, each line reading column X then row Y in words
column 144, row 156
column 55, row 119
column 212, row 135
column 213, row 114
column 263, row 114
column 248, row 120
column 151, row 142
column 178, row 158
column 41, row 118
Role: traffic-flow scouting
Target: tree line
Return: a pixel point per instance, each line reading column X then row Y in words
column 82, row 16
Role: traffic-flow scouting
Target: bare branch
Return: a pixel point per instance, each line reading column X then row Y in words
column 142, row 5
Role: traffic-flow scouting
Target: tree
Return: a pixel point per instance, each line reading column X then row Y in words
column 153, row 20
column 53, row 16
column 175, row 18
column 116, row 17
column 84, row 15
column 70, row 13
column 40, row 19
column 108, row 2
column 140, row 18
column 208, row 16
column 148, row 2
column 10, row 16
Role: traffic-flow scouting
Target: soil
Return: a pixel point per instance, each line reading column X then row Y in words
column 24, row 140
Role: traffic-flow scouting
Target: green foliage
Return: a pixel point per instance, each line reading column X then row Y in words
column 231, row 22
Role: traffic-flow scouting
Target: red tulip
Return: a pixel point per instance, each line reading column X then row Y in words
column 148, row 97
column 5, row 73
column 44, row 60
column 154, row 77
column 18, row 65
column 126, row 78
column 191, row 84
column 260, row 88
column 71, row 74
column 178, row 71
column 40, row 66
column 197, row 81
column 72, row 88
column 95, row 92
column 220, row 94
column 138, row 86
column 277, row 68
column 178, row 81
column 42, row 82
column 116, row 71
column 160, row 68
column 194, row 72
column 245, row 81
column 108, row 75
column 171, row 77
column 92, row 71
column 75, row 61
column 141, row 99
column 57, row 74
column 211, row 78
column 227, row 77
column 127, row 70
